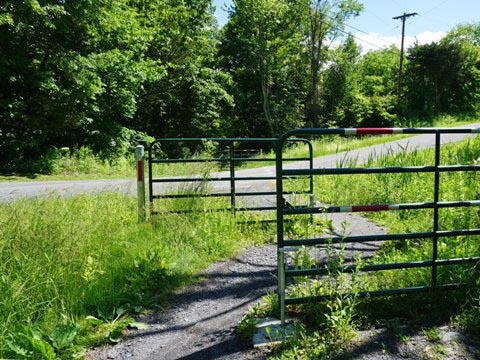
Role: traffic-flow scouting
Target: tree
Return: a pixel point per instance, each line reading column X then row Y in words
column 468, row 34
column 259, row 47
column 86, row 72
column 193, row 98
column 443, row 77
column 377, row 83
column 359, row 90
column 324, row 22
column 339, row 84
column 71, row 72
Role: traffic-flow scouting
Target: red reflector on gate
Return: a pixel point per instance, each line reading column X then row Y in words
column 369, row 208
column 140, row 170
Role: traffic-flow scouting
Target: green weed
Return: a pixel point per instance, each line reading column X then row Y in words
column 247, row 327
column 433, row 334
column 85, row 261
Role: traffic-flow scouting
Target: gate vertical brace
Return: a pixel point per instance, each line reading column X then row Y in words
column 140, row 157
column 280, row 244
column 311, row 195
column 150, row 178
column 232, row 177
column 436, row 192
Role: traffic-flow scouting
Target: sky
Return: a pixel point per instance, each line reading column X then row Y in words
column 378, row 29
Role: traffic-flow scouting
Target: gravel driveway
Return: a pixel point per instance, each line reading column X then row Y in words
column 201, row 323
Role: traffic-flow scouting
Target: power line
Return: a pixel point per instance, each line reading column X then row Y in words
column 379, row 19
column 430, row 10
column 436, row 20
column 347, row 25
column 364, row 32
column 332, row 26
column 435, row 7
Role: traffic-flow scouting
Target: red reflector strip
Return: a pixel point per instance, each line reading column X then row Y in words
column 139, row 170
column 370, row 208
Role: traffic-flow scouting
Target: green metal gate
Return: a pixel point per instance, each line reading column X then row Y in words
column 286, row 245
column 234, row 153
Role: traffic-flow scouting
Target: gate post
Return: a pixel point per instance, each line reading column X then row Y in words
column 231, row 153
column 140, row 159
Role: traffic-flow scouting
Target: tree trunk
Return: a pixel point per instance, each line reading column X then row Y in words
column 264, row 81
column 316, row 47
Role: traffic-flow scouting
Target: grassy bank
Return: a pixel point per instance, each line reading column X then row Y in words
column 412, row 188
column 74, row 271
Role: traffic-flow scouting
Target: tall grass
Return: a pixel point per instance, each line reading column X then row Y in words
column 415, row 187
column 73, row 266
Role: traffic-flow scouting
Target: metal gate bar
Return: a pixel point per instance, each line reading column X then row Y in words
column 284, row 245
column 230, row 161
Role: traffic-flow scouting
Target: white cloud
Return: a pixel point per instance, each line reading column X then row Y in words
column 374, row 40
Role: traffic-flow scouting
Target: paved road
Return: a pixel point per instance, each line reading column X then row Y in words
column 13, row 190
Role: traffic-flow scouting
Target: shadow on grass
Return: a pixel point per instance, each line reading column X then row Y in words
column 18, row 176
column 396, row 327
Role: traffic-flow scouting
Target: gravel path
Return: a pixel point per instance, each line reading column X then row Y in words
column 201, row 324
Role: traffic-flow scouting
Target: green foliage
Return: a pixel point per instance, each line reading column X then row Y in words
column 470, row 314
column 247, row 327
column 77, row 163
column 257, row 45
column 102, row 74
column 326, row 328
column 80, row 73
column 378, row 71
column 33, row 343
column 322, row 23
column 360, row 91
column 443, row 77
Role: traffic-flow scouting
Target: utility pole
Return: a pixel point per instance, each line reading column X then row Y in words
column 400, row 70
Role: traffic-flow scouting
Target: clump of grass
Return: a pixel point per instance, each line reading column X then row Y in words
column 322, row 329
column 82, row 266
